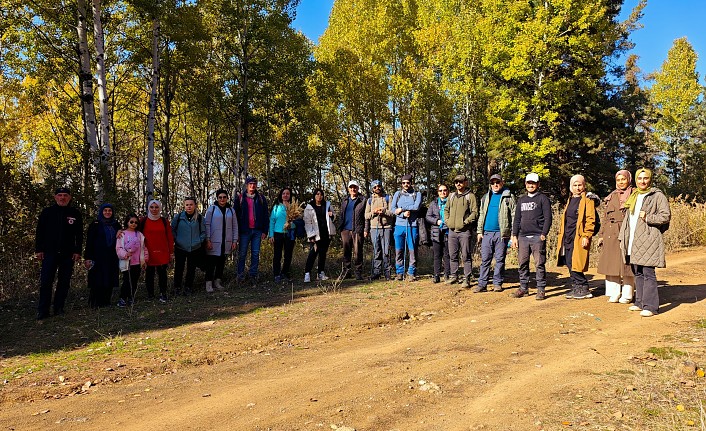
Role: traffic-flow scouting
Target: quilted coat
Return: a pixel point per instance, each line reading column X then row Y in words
column 648, row 245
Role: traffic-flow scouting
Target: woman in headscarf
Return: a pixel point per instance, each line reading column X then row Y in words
column 619, row 280
column 647, row 218
column 160, row 248
column 575, row 232
column 221, row 238
column 101, row 260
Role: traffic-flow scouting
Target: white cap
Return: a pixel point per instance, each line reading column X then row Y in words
column 353, row 183
column 532, row 177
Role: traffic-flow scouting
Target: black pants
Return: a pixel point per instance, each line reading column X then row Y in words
column 130, row 279
column 319, row 248
column 52, row 263
column 181, row 258
column 149, row 279
column 441, row 252
column 214, row 267
column 282, row 242
column 352, row 249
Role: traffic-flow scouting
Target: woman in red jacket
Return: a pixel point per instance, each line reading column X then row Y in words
column 160, row 246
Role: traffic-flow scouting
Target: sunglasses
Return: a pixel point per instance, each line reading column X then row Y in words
column 132, row 222
column 222, row 197
column 443, row 190
column 406, row 182
column 458, row 182
column 495, row 182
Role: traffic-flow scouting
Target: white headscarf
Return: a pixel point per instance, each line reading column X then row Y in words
column 149, row 213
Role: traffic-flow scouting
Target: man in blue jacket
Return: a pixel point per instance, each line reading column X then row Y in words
column 405, row 204
column 58, row 244
column 253, row 225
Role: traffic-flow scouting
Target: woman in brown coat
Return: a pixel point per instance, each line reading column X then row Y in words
column 641, row 243
column 575, row 232
column 611, row 262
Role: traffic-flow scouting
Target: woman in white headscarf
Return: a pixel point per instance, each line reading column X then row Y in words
column 160, row 246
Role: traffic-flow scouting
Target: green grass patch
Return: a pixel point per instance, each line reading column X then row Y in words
column 701, row 324
column 651, row 412
column 665, row 352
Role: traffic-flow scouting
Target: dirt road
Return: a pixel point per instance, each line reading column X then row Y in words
column 388, row 356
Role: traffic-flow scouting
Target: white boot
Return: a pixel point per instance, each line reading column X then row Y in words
column 209, row 287
column 218, row 284
column 307, row 278
column 612, row 290
column 626, row 297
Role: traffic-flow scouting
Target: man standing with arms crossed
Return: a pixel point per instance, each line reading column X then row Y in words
column 460, row 212
column 58, row 244
column 533, row 218
column 497, row 209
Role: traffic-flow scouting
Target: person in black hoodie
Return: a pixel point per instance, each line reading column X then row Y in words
column 101, row 258
column 58, row 244
column 530, row 227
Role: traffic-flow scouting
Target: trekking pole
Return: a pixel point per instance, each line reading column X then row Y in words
column 406, row 239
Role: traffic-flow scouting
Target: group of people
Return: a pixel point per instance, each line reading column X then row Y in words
column 631, row 239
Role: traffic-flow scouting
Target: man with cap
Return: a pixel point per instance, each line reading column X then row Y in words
column 497, row 208
column 378, row 225
column 253, row 225
column 58, row 244
column 460, row 212
column 351, row 223
column 530, row 227
column 405, row 205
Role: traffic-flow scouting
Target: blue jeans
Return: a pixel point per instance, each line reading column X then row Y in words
column 402, row 239
column 253, row 239
column 381, row 251
column 492, row 246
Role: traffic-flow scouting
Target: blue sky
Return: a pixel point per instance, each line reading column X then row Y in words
column 663, row 21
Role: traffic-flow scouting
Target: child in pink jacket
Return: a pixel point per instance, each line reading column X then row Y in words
column 133, row 257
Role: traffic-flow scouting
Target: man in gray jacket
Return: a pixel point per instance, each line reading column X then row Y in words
column 497, row 208
column 460, row 212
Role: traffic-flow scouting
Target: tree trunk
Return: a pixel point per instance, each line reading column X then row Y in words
column 89, row 111
column 99, row 40
column 154, row 93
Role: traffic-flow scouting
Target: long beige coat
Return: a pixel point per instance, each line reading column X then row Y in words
column 611, row 262
column 648, row 244
column 585, row 226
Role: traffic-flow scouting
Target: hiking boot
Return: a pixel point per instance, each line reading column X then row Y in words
column 497, row 288
column 465, row 284
column 452, row 279
column 479, row 289
column 540, row 296
column 307, row 278
column 518, row 293
column 437, row 279
column 400, row 277
column 571, row 294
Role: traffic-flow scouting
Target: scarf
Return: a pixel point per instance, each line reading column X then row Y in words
column 624, row 194
column 107, row 225
column 149, row 213
column 632, row 200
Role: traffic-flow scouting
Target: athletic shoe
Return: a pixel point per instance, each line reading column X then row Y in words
column 122, row 303
column 646, row 313
column 437, row 279
column 540, row 296
column 612, row 299
column 400, row 277
column 163, row 299
column 478, row 289
column 307, row 278
column 321, row 276
column 625, row 300
column 634, row 308
column 452, row 280
column 518, row 293
column 497, row 288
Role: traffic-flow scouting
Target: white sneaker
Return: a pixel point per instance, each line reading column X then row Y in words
column 646, row 313
column 321, row 276
column 209, row 287
column 613, row 299
column 625, row 300
column 634, row 308
column 307, row 278
column 218, row 284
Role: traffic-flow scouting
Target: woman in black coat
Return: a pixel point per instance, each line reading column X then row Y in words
column 101, row 259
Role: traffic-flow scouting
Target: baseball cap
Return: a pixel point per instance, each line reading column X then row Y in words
column 460, row 177
column 353, row 183
column 532, row 177
column 496, row 177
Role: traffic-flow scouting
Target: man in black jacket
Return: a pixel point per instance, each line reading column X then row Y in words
column 351, row 223
column 58, row 244
column 530, row 227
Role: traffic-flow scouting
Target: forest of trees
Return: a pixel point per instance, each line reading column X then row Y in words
column 127, row 99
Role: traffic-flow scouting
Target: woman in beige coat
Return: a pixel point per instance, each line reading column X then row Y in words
column 611, row 262
column 641, row 243
column 578, row 223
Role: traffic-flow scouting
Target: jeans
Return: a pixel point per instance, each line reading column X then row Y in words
column 646, row 294
column 282, row 243
column 184, row 258
column 253, row 239
column 441, row 250
column 460, row 242
column 538, row 249
column 381, row 251
column 319, row 248
column 50, row 264
column 406, row 237
column 492, row 246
